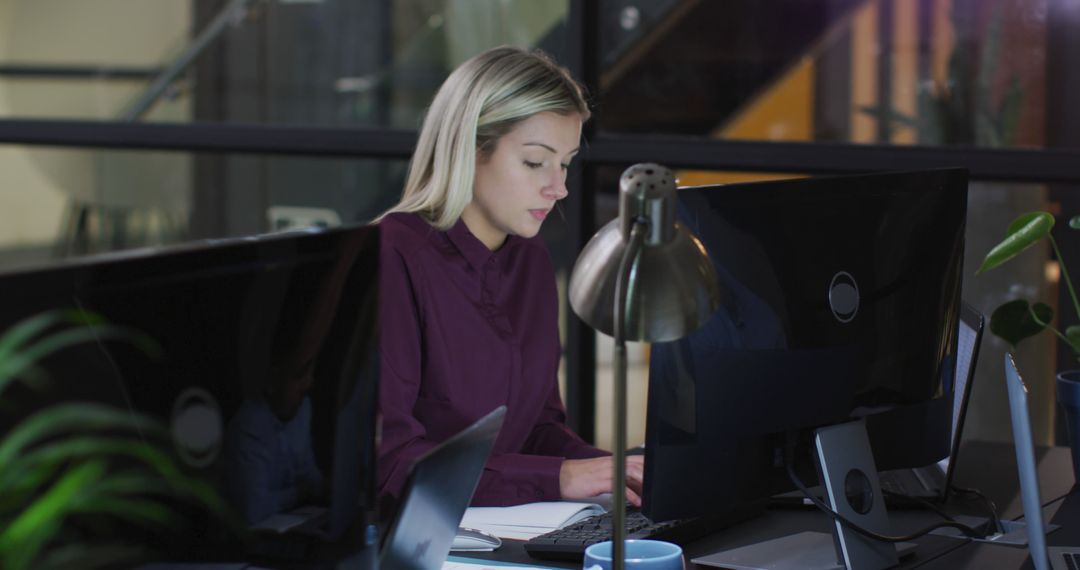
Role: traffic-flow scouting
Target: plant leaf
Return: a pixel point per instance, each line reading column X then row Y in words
column 39, row 464
column 133, row 510
column 30, row 327
column 67, row 418
column 1023, row 232
column 30, row 531
column 1074, row 222
column 17, row 356
column 24, row 330
column 1013, row 322
column 1073, row 334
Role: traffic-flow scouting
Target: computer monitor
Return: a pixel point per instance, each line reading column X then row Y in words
column 266, row 379
column 841, row 299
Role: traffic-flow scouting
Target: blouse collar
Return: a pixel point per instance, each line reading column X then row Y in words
column 474, row 250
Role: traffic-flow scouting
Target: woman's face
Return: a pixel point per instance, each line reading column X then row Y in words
column 518, row 183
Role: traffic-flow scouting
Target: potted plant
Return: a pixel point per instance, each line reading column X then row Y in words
column 1018, row 319
column 76, row 465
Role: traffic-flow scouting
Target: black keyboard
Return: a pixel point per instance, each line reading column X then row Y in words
column 569, row 543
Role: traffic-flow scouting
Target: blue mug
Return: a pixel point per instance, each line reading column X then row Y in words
column 640, row 555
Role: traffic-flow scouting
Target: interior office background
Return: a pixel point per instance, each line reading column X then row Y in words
column 800, row 87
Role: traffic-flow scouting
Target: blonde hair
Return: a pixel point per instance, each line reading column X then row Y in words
column 482, row 100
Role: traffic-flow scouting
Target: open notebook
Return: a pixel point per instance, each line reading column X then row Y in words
column 523, row 522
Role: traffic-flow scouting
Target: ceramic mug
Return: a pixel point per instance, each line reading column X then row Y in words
column 640, row 555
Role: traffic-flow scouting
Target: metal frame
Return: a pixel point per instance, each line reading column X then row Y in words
column 74, row 71
column 1017, row 165
column 1025, row 165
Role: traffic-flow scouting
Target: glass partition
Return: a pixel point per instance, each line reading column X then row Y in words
column 331, row 62
column 62, row 202
column 929, row 72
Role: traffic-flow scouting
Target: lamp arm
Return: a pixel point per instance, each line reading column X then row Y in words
column 623, row 284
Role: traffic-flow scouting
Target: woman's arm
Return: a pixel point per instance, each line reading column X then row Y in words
column 551, row 435
column 404, row 439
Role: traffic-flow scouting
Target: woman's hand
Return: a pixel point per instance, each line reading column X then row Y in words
column 584, row 478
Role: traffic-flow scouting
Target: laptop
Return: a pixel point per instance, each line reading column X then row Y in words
column 932, row 482
column 439, row 487
column 1043, row 557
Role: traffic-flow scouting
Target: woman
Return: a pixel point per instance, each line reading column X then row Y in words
column 469, row 307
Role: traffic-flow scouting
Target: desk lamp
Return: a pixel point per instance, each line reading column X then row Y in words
column 642, row 277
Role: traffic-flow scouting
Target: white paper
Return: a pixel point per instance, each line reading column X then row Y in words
column 462, row 563
column 523, row 522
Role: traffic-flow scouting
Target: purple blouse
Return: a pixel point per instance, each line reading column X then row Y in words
column 462, row 331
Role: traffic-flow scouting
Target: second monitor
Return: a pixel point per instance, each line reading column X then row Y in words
column 841, row 301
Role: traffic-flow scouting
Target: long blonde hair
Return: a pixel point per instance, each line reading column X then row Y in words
column 480, row 102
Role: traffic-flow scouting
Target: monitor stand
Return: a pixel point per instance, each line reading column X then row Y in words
column 849, row 477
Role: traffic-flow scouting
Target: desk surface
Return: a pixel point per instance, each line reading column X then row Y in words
column 988, row 467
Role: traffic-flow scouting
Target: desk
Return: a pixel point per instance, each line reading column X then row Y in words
column 1062, row 507
column 989, row 467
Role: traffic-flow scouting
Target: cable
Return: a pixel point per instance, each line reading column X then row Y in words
column 967, row 530
column 991, row 506
column 899, row 498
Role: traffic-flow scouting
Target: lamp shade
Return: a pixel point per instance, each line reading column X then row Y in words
column 672, row 287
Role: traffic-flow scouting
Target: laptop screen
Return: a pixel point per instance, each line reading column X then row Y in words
column 967, row 351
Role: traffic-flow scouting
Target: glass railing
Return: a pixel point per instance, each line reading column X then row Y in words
column 59, row 202
column 902, row 72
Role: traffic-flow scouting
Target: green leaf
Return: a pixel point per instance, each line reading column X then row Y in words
column 39, row 464
column 70, row 418
column 1074, row 222
column 24, row 330
column 1073, row 335
column 18, row 356
column 30, row 531
column 28, row 328
column 137, row 510
column 1023, row 232
column 1013, row 321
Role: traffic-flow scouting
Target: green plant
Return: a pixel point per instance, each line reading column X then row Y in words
column 960, row 109
column 75, row 463
column 1016, row 320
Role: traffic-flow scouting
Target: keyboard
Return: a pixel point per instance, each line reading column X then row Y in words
column 570, row 542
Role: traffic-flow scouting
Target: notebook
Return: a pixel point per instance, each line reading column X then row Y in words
column 523, row 522
column 1043, row 557
column 438, row 490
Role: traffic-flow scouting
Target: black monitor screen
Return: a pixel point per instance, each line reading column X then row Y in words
column 265, row 377
column 840, row 300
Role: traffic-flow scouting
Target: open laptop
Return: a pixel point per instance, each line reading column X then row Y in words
column 439, row 488
column 1043, row 557
column 932, row 482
